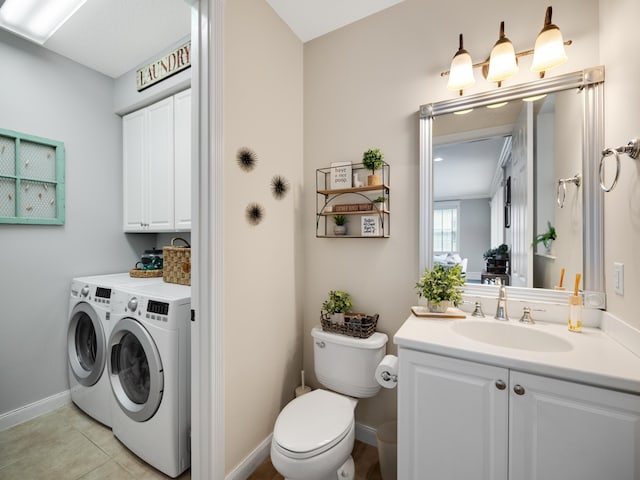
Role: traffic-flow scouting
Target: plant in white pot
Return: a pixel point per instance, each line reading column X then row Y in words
column 380, row 203
column 441, row 287
column 336, row 305
column 372, row 160
column 340, row 227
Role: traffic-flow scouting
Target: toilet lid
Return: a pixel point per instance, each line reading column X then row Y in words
column 313, row 423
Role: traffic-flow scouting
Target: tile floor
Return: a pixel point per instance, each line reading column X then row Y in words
column 66, row 444
column 365, row 457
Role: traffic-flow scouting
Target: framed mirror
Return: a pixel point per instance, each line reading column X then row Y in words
column 509, row 187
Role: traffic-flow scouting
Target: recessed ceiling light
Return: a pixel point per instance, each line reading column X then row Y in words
column 438, row 159
column 497, row 105
column 463, row 112
column 36, row 20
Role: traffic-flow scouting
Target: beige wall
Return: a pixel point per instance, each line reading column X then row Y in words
column 622, row 122
column 262, row 111
column 363, row 86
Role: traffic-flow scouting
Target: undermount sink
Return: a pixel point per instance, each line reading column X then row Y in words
column 512, row 336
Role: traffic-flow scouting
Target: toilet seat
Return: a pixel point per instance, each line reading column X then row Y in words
column 313, row 423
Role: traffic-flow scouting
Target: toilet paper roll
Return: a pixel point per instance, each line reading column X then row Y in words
column 387, row 372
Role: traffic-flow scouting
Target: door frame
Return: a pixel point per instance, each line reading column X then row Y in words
column 207, row 293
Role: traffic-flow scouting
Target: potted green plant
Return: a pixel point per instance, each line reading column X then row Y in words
column 546, row 238
column 336, row 305
column 372, row 160
column 441, row 287
column 497, row 259
column 340, row 227
column 380, row 203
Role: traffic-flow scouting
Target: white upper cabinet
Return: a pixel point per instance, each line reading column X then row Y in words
column 182, row 145
column 157, row 166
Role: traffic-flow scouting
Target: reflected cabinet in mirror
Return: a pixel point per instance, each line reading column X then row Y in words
column 509, row 187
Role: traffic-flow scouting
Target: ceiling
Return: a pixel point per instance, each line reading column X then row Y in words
column 116, row 36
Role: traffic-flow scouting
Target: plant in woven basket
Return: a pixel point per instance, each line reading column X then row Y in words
column 441, row 287
column 338, row 303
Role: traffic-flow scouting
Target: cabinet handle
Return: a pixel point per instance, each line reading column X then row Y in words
column 500, row 385
column 518, row 389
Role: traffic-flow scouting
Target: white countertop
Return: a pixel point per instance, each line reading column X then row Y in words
column 594, row 358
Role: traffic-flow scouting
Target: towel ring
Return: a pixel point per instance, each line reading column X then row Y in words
column 605, row 153
column 576, row 180
column 632, row 149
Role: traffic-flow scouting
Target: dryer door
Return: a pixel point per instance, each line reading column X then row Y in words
column 135, row 370
column 86, row 344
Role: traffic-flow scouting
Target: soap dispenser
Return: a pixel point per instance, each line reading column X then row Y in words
column 575, row 308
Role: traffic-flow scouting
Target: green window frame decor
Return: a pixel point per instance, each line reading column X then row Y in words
column 31, row 179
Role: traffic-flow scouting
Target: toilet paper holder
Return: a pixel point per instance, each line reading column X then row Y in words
column 386, row 376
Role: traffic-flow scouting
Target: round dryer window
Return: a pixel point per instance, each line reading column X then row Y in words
column 86, row 345
column 135, row 370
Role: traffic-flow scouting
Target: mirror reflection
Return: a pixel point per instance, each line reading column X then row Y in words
column 495, row 175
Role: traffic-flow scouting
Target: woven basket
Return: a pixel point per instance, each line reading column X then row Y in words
column 355, row 324
column 139, row 273
column 177, row 263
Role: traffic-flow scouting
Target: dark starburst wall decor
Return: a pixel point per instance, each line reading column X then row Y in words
column 254, row 213
column 246, row 159
column 279, row 187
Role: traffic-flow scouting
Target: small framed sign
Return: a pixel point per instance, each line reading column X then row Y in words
column 369, row 226
column 340, row 175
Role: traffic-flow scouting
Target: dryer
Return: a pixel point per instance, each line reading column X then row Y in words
column 149, row 372
column 88, row 331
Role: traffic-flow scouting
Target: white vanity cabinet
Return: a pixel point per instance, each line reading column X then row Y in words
column 460, row 420
column 156, row 166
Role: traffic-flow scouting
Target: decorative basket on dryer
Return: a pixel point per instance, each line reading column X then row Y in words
column 177, row 263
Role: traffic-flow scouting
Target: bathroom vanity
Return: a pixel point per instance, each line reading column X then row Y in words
column 493, row 400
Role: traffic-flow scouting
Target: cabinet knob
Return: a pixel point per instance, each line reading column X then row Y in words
column 500, row 385
column 518, row 389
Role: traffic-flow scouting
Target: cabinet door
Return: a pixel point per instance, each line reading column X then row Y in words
column 452, row 419
column 182, row 171
column 159, row 142
column 134, row 189
column 566, row 431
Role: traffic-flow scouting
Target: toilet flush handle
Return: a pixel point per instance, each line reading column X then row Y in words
column 321, row 344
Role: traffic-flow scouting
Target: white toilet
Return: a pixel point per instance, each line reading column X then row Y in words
column 314, row 434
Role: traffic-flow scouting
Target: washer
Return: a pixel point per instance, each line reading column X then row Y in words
column 87, row 336
column 149, row 369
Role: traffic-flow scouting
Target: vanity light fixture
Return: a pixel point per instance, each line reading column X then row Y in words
column 36, row 20
column 502, row 63
column 549, row 49
column 461, row 73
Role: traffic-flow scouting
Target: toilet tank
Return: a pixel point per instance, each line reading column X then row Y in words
column 347, row 364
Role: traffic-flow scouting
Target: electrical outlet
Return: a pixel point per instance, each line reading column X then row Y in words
column 618, row 278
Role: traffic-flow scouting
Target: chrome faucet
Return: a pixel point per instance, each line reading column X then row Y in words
column 526, row 316
column 501, row 311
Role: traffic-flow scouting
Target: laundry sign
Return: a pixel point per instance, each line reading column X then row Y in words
column 162, row 68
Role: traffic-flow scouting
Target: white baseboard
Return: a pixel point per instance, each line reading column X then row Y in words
column 366, row 434
column 252, row 461
column 33, row 410
column 247, row 466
